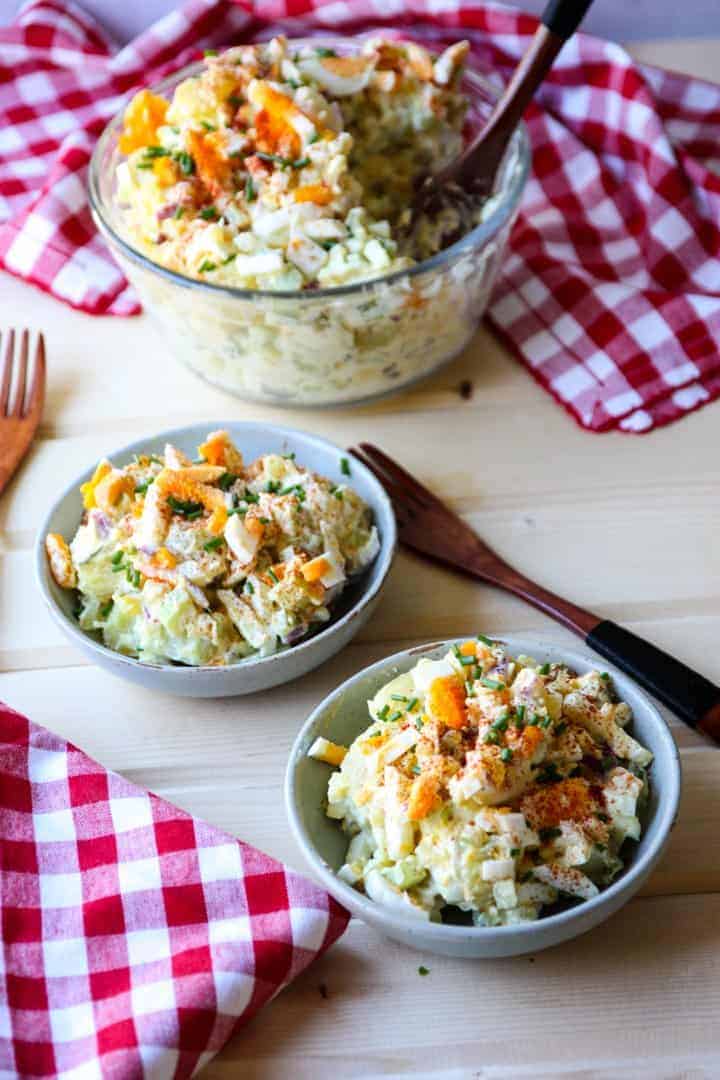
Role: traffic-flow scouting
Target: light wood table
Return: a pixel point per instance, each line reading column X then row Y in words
column 626, row 526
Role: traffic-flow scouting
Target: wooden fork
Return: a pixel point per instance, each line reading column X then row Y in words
column 19, row 419
column 428, row 526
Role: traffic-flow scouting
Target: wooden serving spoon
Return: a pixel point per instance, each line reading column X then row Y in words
column 474, row 172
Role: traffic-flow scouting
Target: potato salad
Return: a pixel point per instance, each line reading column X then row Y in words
column 290, row 167
column 212, row 560
column 489, row 785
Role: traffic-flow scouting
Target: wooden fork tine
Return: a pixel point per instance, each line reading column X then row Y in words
column 401, row 477
column 7, row 373
column 21, row 376
column 36, row 396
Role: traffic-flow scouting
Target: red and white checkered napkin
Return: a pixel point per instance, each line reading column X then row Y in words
column 136, row 939
column 611, row 294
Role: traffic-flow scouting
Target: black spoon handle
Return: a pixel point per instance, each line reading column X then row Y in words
column 563, row 17
column 690, row 695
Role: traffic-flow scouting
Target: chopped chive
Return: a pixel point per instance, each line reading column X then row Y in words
column 549, row 834
column 345, row 466
column 327, row 245
column 134, row 577
column 140, row 489
column 514, row 852
column 415, row 769
column 207, row 126
column 117, row 558
column 398, row 697
column 250, row 192
column 502, row 722
column 419, row 723
column 506, row 754
column 272, row 486
column 264, row 520
column 106, row 608
column 548, row 774
column 206, row 266
column 520, row 711
column 290, row 456
column 273, row 575
column 226, row 481
column 605, row 675
column 283, row 162
column 485, row 640
column 492, row 684
column 412, row 704
column 249, row 587
column 152, row 152
column 189, row 509
column 422, row 970
column 467, row 661
column 323, row 52
column 234, row 100
column 185, row 161
column 313, row 138
column 214, row 544
column 250, row 496
column 144, row 165
column 179, row 211
column 209, row 213
column 545, row 669
column 559, row 728
column 492, row 736
column 394, row 716
column 383, row 712
column 210, row 52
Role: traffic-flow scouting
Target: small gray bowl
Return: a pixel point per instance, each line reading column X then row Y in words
column 355, row 606
column 343, row 715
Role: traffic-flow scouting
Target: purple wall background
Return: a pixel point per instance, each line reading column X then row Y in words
column 622, row 20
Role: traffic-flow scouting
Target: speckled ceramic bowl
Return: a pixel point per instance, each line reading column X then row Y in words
column 343, row 715
column 354, row 608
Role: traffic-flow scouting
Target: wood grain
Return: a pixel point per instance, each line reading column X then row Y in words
column 626, row 527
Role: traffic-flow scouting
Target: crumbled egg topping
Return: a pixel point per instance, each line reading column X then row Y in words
column 287, row 168
column 488, row 783
column 208, row 561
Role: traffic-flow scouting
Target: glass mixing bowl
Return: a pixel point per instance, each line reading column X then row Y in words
column 325, row 346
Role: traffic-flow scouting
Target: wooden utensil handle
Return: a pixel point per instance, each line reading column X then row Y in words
column 688, row 694
column 563, row 17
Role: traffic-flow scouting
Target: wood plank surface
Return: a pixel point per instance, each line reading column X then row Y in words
column 623, row 525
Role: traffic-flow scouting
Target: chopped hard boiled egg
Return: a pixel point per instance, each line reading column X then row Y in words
column 488, row 783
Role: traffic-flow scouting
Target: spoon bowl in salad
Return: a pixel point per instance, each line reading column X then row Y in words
column 343, row 716
column 232, row 673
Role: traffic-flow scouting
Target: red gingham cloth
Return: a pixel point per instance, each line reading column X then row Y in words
column 136, row 939
column 611, row 293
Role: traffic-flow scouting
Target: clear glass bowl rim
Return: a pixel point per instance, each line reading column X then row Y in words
column 471, row 241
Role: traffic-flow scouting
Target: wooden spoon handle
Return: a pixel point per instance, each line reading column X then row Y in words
column 564, row 16
column 481, row 160
column 692, row 697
